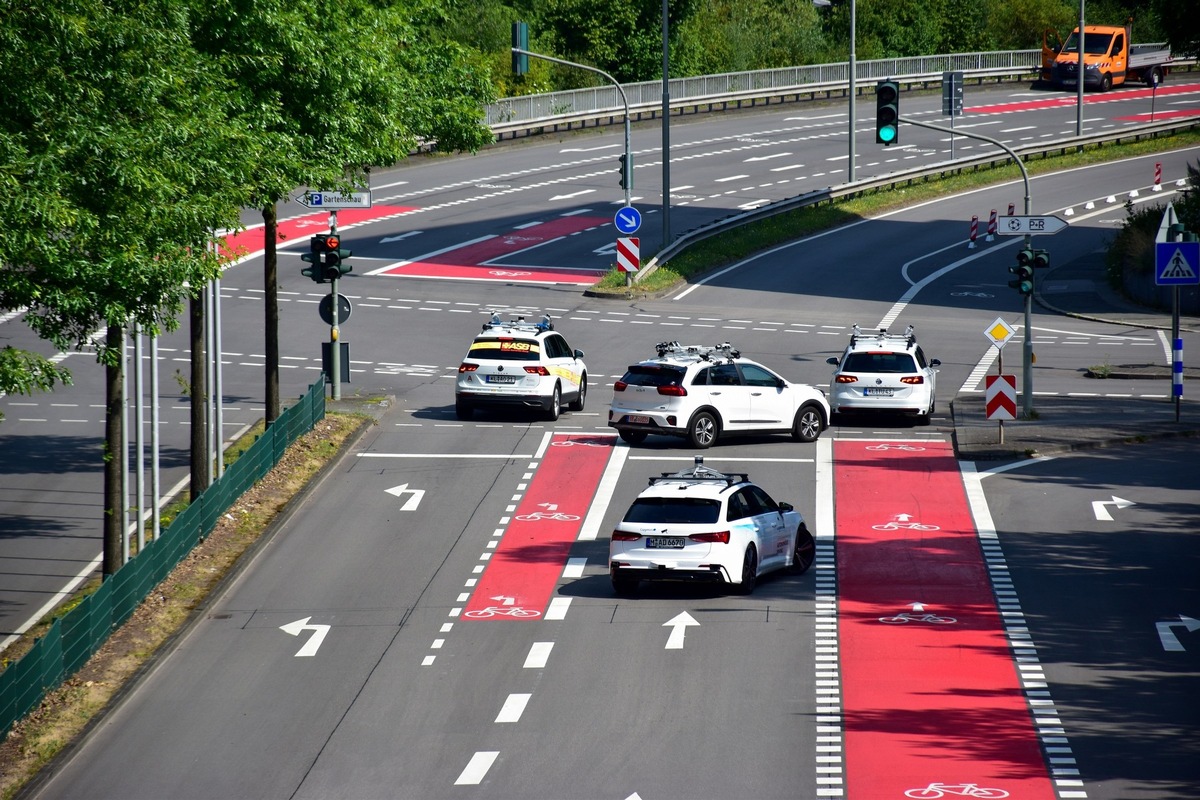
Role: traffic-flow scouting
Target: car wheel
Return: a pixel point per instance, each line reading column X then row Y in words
column 625, row 587
column 749, row 571
column 555, row 404
column 808, row 424
column 1106, row 83
column 927, row 417
column 702, row 430
column 805, row 552
column 632, row 437
column 463, row 410
column 577, row 403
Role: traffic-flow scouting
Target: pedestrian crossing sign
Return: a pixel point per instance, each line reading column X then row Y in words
column 1177, row 263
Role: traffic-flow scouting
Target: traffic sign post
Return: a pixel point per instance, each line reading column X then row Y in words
column 1177, row 263
column 335, row 200
column 628, row 254
column 1030, row 226
column 627, row 220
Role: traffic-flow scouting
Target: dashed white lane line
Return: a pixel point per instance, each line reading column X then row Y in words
column 513, row 708
column 477, row 768
column 539, row 654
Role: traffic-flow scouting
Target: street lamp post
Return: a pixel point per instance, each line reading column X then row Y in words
column 853, row 77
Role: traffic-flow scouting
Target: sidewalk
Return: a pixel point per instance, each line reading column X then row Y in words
column 1062, row 423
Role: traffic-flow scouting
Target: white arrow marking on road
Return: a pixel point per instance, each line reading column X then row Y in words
column 903, row 517
column 1167, row 636
column 573, row 194
column 634, row 796
column 549, row 506
column 314, row 642
column 678, row 625
column 505, row 601
column 387, row 239
column 1098, row 507
column 411, row 503
column 918, row 608
column 608, row 248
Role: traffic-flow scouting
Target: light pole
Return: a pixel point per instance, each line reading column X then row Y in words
column 853, row 77
column 666, row 132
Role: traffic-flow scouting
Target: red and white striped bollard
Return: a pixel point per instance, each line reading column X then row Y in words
column 974, row 232
column 991, row 232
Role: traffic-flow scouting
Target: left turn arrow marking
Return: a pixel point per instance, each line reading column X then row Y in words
column 314, row 642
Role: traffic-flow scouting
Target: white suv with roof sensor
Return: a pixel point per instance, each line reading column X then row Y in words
column 707, row 526
column 700, row 393
column 520, row 364
column 884, row 372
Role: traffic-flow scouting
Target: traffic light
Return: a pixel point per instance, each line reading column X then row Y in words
column 887, row 112
column 520, row 41
column 627, row 171
column 1041, row 259
column 316, row 247
column 333, row 256
column 1024, row 272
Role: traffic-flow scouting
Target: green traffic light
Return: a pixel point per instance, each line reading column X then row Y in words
column 887, row 134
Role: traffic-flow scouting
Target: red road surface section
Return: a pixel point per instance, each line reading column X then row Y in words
column 1066, row 99
column 525, row 568
column 470, row 262
column 925, row 701
column 250, row 241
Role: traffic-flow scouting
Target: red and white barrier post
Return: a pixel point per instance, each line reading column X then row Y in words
column 974, row 232
column 1012, row 209
column 991, row 232
column 1158, row 177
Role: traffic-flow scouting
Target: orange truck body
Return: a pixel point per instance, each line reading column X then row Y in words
column 1108, row 59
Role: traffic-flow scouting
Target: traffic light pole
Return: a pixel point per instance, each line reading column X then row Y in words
column 624, row 100
column 335, row 349
column 1027, row 348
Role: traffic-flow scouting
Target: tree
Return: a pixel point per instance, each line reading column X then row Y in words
column 116, row 170
column 331, row 88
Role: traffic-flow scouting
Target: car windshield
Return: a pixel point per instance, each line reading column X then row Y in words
column 880, row 362
column 652, row 375
column 505, row 350
column 674, row 510
column 1095, row 44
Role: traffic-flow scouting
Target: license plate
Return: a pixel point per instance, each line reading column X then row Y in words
column 501, row 378
column 635, row 419
column 879, row 392
column 665, row 542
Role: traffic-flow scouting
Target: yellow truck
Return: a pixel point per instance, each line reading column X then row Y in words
column 1108, row 59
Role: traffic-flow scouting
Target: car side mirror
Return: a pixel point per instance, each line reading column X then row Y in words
column 935, row 362
column 579, row 354
column 780, row 383
column 832, row 360
column 786, row 507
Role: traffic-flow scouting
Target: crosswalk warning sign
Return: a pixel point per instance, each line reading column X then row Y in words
column 1177, row 263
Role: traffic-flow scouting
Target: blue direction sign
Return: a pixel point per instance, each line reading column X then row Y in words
column 1177, row 263
column 628, row 220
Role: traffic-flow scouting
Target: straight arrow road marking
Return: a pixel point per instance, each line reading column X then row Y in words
column 678, row 625
column 313, row 644
column 1098, row 507
column 1167, row 636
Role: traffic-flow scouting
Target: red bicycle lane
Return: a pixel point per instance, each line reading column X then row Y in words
column 931, row 698
column 525, row 567
column 250, row 242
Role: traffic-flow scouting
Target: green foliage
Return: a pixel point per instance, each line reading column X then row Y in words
column 1133, row 248
column 116, row 166
column 732, row 36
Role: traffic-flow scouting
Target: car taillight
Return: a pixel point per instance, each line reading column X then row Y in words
column 625, row 536
column 847, row 378
column 619, row 386
column 716, row 536
column 913, row 379
column 465, row 367
column 537, row 370
column 673, row 391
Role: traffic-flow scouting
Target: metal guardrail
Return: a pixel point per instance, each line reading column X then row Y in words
column 893, row 179
column 515, row 116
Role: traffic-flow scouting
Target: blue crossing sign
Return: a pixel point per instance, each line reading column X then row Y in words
column 628, row 220
column 1177, row 263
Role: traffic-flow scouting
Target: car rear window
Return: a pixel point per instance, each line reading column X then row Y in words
column 880, row 362
column 640, row 375
column 505, row 349
column 674, row 510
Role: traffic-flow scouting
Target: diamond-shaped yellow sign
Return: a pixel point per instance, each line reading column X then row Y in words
column 999, row 332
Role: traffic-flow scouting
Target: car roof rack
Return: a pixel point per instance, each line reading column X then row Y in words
column 518, row 323
column 699, row 472
column 699, row 352
column 909, row 337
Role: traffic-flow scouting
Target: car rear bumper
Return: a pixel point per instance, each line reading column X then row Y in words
column 656, row 424
column 713, row 573
column 481, row 400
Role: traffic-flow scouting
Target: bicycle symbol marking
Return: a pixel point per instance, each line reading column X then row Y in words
column 937, row 789
column 554, row 516
column 905, row 617
column 503, row 273
column 890, row 446
column 912, row 526
column 578, row 443
column 503, row 611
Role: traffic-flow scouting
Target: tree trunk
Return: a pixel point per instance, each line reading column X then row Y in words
column 198, row 391
column 114, row 474
column 271, row 294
